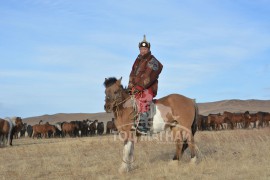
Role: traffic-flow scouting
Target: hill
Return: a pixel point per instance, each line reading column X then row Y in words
column 204, row 108
column 61, row 117
column 234, row 105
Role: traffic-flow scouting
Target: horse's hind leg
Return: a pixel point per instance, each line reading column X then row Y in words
column 179, row 143
column 179, row 148
column 191, row 146
column 185, row 146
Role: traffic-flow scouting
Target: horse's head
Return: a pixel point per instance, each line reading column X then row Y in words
column 18, row 122
column 113, row 93
column 247, row 115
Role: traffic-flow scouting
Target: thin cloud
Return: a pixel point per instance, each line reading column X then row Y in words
column 56, row 53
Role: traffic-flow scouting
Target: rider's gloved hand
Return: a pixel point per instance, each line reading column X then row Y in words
column 136, row 89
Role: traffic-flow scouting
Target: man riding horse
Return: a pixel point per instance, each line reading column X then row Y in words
column 143, row 83
column 174, row 111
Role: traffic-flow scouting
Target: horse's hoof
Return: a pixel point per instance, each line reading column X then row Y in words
column 133, row 167
column 124, row 169
column 193, row 160
column 121, row 170
column 175, row 157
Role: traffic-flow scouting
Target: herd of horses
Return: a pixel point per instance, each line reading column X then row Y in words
column 176, row 112
column 15, row 128
column 229, row 120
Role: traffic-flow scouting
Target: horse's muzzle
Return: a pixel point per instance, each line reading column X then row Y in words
column 107, row 108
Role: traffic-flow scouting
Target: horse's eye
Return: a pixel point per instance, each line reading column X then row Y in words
column 115, row 92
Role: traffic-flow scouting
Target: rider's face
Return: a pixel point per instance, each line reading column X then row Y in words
column 143, row 50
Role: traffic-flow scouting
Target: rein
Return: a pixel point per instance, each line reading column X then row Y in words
column 132, row 97
column 116, row 106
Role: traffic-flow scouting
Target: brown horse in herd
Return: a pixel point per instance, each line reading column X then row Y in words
column 8, row 127
column 69, row 128
column 237, row 120
column 93, row 127
column 174, row 111
column 43, row 130
column 216, row 121
column 110, row 127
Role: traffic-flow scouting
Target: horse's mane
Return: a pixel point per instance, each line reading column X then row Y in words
column 11, row 120
column 110, row 81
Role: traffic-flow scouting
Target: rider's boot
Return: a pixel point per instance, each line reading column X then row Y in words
column 143, row 126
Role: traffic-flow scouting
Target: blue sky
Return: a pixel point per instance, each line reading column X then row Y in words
column 55, row 54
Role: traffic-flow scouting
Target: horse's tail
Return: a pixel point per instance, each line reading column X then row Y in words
column 33, row 132
column 194, row 124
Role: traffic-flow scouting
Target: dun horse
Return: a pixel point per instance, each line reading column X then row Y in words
column 174, row 111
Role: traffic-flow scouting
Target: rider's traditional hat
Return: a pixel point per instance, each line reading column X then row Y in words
column 144, row 43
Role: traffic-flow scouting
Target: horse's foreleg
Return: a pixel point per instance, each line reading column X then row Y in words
column 11, row 136
column 3, row 139
column 128, row 156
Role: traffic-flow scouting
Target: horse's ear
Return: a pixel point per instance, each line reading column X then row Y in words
column 119, row 81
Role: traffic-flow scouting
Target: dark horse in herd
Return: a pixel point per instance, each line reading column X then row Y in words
column 174, row 111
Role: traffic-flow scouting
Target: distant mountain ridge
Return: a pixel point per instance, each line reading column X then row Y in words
column 233, row 105
column 61, row 117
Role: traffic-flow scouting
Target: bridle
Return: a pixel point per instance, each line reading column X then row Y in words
column 118, row 100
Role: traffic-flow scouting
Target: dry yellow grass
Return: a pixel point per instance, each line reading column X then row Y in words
column 237, row 154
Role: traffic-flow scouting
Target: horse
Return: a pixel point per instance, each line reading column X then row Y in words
column 110, row 126
column 5, row 128
column 83, row 126
column 93, row 127
column 69, row 128
column 58, row 129
column 264, row 118
column 23, row 130
column 218, row 121
column 237, row 120
column 29, row 130
column 202, row 122
column 43, row 129
column 175, row 111
column 100, row 128
column 253, row 119
column 9, row 127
